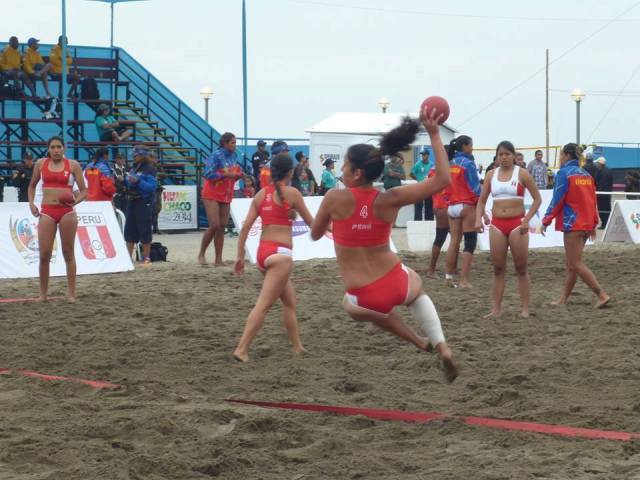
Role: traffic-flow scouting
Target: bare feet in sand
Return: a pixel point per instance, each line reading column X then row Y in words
column 493, row 314
column 202, row 261
column 300, row 350
column 71, row 299
column 431, row 274
column 603, row 301
column 449, row 367
column 559, row 302
column 241, row 357
column 524, row 313
column 464, row 284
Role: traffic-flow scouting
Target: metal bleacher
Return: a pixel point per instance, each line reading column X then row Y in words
column 156, row 115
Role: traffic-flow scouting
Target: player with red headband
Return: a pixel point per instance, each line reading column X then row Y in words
column 56, row 212
column 375, row 279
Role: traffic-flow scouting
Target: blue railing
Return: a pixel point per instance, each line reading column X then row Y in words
column 180, row 121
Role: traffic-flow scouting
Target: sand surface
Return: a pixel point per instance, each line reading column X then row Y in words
column 166, row 333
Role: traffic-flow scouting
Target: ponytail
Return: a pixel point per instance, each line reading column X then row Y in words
column 573, row 150
column 371, row 159
column 281, row 165
column 457, row 144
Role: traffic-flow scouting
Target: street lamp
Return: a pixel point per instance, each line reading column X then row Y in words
column 384, row 103
column 206, row 93
column 578, row 94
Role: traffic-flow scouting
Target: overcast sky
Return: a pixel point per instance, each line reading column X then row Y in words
column 309, row 59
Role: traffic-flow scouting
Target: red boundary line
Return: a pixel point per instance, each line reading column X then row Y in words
column 98, row 384
column 424, row 417
column 27, row 299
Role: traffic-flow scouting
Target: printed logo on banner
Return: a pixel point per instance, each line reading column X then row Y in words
column 635, row 219
column 177, row 206
column 24, row 234
column 299, row 228
column 94, row 237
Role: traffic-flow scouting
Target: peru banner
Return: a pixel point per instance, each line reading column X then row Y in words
column 99, row 245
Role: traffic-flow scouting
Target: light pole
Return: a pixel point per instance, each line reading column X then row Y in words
column 578, row 94
column 384, row 103
column 206, row 93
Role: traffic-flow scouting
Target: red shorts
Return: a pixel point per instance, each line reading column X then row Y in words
column 506, row 225
column 268, row 248
column 387, row 292
column 55, row 212
column 219, row 190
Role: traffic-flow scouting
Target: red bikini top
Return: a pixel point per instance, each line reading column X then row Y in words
column 62, row 179
column 272, row 213
column 362, row 228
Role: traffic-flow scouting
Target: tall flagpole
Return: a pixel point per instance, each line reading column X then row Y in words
column 112, row 24
column 112, row 88
column 546, row 114
column 63, row 87
column 244, row 78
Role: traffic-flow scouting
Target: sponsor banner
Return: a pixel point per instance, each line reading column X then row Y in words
column 179, row 208
column 99, row 245
column 624, row 222
column 304, row 248
column 536, row 239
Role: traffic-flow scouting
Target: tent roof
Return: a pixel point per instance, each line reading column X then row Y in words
column 363, row 123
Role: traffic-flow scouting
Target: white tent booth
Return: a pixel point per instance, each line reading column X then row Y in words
column 333, row 136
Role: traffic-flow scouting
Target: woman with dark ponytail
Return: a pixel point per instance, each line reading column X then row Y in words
column 274, row 204
column 375, row 279
column 575, row 209
column 463, row 194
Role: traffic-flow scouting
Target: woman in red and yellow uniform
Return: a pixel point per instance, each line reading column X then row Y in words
column 58, row 175
column 442, row 225
column 575, row 209
column 221, row 171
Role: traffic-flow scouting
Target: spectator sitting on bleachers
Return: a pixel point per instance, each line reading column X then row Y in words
column 109, row 129
column 34, row 66
column 100, row 179
column 55, row 58
column 11, row 65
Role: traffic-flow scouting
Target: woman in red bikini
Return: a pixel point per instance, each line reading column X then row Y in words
column 58, row 175
column 361, row 218
column 274, row 205
column 509, row 225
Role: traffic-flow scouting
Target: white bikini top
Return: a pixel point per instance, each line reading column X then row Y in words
column 509, row 190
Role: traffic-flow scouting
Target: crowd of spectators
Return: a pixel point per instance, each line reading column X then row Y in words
column 28, row 68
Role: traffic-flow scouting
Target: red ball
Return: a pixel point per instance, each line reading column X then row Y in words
column 66, row 198
column 439, row 103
